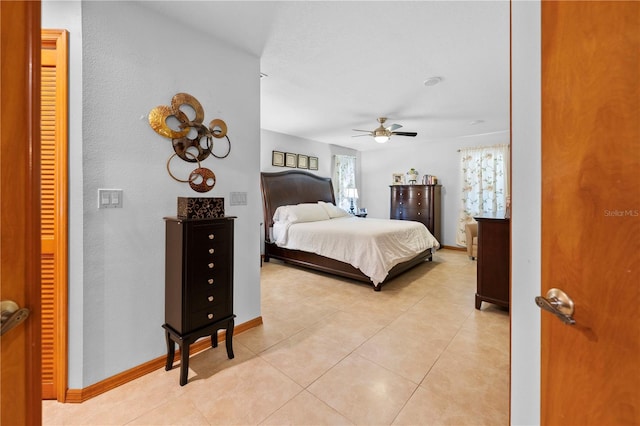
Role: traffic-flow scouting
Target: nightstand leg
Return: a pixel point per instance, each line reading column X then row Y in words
column 171, row 351
column 229, row 339
column 214, row 339
column 184, row 363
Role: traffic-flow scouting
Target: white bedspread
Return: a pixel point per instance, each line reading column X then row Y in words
column 372, row 245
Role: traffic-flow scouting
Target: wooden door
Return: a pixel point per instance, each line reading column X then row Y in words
column 54, row 213
column 590, row 371
column 20, row 396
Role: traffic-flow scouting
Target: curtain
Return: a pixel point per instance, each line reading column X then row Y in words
column 485, row 184
column 344, row 176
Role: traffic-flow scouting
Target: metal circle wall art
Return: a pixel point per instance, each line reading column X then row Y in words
column 192, row 141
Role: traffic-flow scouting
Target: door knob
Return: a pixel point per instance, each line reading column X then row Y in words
column 11, row 315
column 558, row 303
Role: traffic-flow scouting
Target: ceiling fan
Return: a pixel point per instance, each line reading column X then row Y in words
column 382, row 134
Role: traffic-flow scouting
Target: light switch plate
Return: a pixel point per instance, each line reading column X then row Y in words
column 110, row 198
column 238, row 199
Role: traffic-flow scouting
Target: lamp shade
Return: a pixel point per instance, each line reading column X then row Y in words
column 352, row 192
column 381, row 138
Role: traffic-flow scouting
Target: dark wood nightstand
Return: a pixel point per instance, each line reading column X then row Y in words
column 493, row 260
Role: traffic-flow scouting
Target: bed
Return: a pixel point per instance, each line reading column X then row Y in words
column 294, row 187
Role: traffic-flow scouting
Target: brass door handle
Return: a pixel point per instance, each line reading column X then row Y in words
column 558, row 303
column 11, row 315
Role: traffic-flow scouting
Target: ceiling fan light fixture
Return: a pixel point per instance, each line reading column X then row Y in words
column 382, row 134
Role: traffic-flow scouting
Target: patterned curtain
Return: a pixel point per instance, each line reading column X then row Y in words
column 344, row 176
column 485, row 184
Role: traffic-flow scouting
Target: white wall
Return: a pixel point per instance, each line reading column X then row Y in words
column 526, row 215
column 435, row 157
column 132, row 61
column 67, row 15
column 273, row 141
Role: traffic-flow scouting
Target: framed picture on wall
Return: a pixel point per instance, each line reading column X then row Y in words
column 303, row 161
column 277, row 158
column 398, row 178
column 291, row 160
column 313, row 163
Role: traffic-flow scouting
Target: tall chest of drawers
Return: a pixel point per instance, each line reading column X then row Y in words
column 198, row 285
column 418, row 202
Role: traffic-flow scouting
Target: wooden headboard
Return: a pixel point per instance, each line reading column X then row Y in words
column 292, row 187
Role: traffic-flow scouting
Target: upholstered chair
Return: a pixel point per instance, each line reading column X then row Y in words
column 471, row 230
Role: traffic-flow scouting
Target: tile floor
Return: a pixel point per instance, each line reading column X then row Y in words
column 334, row 352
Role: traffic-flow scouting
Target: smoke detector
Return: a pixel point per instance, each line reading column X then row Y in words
column 432, row 81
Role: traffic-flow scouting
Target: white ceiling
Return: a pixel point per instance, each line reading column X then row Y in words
column 334, row 66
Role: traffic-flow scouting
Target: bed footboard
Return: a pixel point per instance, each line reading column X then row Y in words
column 335, row 267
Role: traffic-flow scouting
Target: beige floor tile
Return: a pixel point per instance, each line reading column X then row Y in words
column 349, row 329
column 244, row 394
column 304, row 313
column 270, row 332
column 173, row 412
column 362, row 391
column 55, row 413
column 121, row 405
column 404, row 352
column 305, row 356
column 306, row 409
column 428, row 408
column 333, row 351
column 469, row 384
column 209, row 362
column 476, row 386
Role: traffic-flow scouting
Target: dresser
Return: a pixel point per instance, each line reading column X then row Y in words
column 198, row 285
column 418, row 202
column 493, row 260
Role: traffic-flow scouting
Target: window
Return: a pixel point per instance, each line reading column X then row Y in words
column 485, row 184
column 344, row 176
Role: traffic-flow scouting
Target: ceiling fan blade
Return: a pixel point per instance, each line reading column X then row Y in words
column 357, row 136
column 405, row 133
column 393, row 127
column 358, row 130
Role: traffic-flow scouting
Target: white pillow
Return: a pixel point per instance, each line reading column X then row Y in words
column 333, row 211
column 306, row 212
column 281, row 214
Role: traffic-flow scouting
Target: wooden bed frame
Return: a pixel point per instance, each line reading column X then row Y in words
column 294, row 187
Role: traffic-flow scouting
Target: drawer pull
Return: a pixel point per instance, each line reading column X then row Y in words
column 419, row 194
column 211, row 236
column 419, row 213
column 210, row 316
column 419, row 204
column 210, row 298
column 211, row 265
column 211, row 251
column 210, row 280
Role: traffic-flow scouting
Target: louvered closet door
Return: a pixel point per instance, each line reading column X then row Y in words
column 53, row 214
